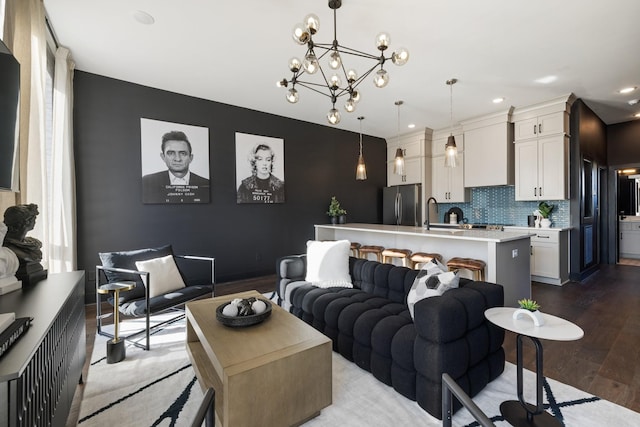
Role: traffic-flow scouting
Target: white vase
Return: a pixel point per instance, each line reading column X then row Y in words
column 536, row 316
column 545, row 223
column 537, row 223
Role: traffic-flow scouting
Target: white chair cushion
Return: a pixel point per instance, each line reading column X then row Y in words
column 163, row 274
column 328, row 264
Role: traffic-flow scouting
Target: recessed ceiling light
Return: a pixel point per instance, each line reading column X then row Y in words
column 411, row 125
column 498, row 100
column 546, row 80
column 633, row 101
column 627, row 89
column 637, row 115
column 143, row 17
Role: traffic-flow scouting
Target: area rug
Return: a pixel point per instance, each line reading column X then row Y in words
column 159, row 388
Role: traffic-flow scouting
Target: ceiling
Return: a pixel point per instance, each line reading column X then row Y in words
column 234, row 52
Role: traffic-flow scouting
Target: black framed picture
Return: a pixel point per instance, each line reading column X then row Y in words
column 175, row 162
column 259, row 169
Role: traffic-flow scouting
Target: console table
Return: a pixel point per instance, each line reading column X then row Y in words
column 40, row 372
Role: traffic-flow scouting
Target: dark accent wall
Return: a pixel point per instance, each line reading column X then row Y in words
column 245, row 239
column 624, row 144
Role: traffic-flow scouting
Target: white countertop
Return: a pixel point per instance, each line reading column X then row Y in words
column 554, row 328
column 534, row 230
column 631, row 218
column 455, row 233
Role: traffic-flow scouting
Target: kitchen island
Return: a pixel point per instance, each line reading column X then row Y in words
column 505, row 253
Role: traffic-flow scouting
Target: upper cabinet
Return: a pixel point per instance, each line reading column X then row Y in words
column 415, row 147
column 488, row 150
column 448, row 183
column 542, row 150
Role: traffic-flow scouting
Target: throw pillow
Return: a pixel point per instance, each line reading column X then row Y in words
column 127, row 260
column 328, row 264
column 163, row 275
column 433, row 280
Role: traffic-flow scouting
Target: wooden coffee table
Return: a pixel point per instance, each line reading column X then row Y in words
column 276, row 373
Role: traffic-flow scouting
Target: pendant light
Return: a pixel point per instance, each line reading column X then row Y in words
column 398, row 163
column 450, row 149
column 361, row 169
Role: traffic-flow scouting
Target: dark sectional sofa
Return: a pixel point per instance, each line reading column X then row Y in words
column 370, row 325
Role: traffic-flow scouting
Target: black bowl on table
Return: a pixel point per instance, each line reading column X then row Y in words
column 241, row 321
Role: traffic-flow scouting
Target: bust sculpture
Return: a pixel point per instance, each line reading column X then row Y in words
column 19, row 220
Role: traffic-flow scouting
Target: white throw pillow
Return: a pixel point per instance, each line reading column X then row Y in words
column 328, row 264
column 433, row 280
column 163, row 274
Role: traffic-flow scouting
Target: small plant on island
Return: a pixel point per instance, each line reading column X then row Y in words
column 334, row 208
column 529, row 304
column 545, row 209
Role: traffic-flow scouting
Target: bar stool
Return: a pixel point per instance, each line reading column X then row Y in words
column 365, row 250
column 388, row 255
column 355, row 249
column 474, row 265
column 418, row 259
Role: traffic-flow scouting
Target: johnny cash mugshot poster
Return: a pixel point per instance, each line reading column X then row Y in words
column 259, row 169
column 175, row 162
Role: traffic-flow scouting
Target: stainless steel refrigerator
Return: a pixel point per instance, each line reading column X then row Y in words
column 402, row 205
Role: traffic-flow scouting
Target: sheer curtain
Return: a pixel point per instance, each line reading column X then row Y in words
column 25, row 33
column 62, row 237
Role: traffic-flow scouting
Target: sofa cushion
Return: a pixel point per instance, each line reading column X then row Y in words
column 127, row 260
column 163, row 275
column 328, row 264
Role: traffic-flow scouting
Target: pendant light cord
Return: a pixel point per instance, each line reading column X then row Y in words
column 360, row 120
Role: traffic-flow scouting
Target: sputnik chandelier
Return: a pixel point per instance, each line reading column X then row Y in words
column 333, row 86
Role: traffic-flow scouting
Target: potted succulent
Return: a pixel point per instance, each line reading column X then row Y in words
column 529, row 308
column 545, row 210
column 337, row 214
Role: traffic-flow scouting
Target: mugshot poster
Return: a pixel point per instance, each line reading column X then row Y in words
column 175, row 162
column 259, row 169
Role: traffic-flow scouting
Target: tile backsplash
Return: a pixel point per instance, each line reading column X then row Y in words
column 497, row 205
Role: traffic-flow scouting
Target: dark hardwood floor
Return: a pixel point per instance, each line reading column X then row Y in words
column 606, row 362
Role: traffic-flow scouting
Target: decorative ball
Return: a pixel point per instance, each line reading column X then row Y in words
column 259, row 306
column 230, row 310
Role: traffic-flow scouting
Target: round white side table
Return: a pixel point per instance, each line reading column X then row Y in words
column 520, row 413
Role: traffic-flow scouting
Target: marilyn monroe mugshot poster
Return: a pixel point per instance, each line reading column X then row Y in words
column 259, row 169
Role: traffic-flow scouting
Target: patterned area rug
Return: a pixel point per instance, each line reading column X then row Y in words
column 158, row 388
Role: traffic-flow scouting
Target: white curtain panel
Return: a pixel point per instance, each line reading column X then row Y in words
column 62, row 231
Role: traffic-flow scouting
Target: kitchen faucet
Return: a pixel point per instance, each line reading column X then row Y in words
column 426, row 223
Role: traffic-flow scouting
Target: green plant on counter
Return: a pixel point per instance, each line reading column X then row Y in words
column 545, row 209
column 529, row 304
column 334, row 208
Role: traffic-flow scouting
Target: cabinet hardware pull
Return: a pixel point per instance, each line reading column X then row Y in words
column 531, row 250
column 540, row 190
column 540, row 128
column 535, row 191
column 542, row 237
column 534, row 129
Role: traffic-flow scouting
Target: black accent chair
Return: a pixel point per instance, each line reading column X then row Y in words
column 197, row 272
column 206, row 411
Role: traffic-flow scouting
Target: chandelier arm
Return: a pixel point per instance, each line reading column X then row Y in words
column 309, row 85
column 354, row 52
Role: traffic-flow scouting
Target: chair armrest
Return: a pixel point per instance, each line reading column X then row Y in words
column 201, row 259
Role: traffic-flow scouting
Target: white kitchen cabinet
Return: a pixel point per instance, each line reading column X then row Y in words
column 541, row 167
column 544, row 125
column 549, row 254
column 415, row 147
column 488, row 146
column 412, row 172
column 448, row 183
column 629, row 239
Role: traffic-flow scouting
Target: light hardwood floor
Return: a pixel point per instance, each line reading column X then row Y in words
column 606, row 362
